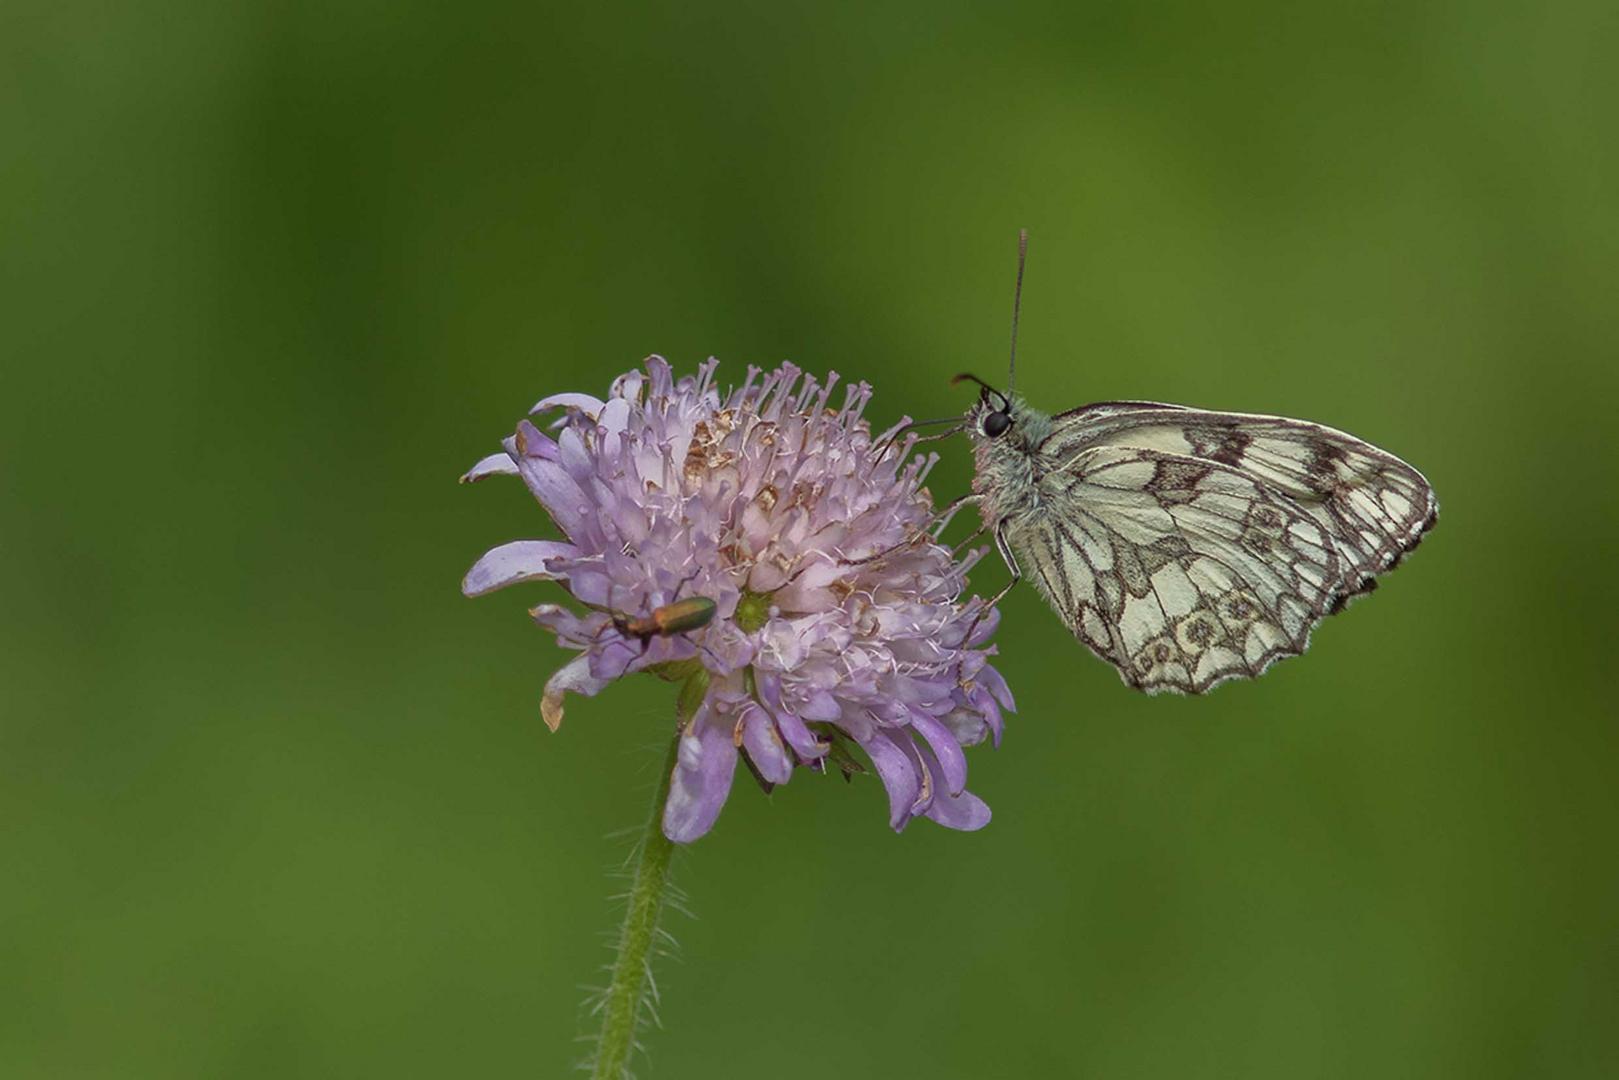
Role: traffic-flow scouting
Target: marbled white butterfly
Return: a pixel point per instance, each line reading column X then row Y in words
column 1186, row 547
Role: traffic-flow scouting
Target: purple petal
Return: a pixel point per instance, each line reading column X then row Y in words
column 589, row 583
column 559, row 495
column 898, row 773
column 926, row 766
column 615, row 416
column 909, row 690
column 946, row 751
column 986, row 627
column 967, row 723
column 889, row 712
column 965, row 812
column 575, row 677
column 764, row 746
column 798, row 736
column 627, row 386
column 586, row 404
column 997, row 686
column 982, row 700
column 701, row 779
column 612, row 655
column 571, row 630
column 508, row 564
column 530, row 441
column 574, row 457
column 494, row 465
column 820, row 705
column 808, row 590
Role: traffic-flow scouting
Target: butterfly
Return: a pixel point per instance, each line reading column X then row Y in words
column 1185, row 547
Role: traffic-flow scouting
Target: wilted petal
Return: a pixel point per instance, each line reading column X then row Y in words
column 508, row 564
column 573, row 677
column 968, row 726
column 701, row 779
column 494, row 465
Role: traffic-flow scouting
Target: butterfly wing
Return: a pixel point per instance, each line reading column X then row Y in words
column 1189, row 547
column 1375, row 505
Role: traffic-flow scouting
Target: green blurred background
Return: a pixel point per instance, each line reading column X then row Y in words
column 275, row 801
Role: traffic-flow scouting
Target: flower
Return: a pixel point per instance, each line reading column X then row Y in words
column 836, row 616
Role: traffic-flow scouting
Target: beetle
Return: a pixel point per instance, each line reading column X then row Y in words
column 680, row 617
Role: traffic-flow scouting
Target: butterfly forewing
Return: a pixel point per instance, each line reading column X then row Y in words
column 1189, row 547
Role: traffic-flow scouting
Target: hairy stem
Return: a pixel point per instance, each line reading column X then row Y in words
column 632, row 967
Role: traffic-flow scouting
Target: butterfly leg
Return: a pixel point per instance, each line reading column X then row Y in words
column 888, row 444
column 1011, row 564
column 960, row 547
column 941, row 435
column 938, row 521
column 941, row 520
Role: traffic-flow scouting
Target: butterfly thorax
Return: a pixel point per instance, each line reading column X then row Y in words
column 1005, row 475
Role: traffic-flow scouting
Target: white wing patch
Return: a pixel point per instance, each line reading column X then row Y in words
column 1188, row 547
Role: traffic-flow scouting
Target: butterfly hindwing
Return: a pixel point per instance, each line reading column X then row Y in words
column 1189, row 547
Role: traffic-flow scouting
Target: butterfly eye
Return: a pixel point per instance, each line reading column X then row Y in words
column 996, row 423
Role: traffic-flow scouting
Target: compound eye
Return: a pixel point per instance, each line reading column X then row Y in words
column 996, row 423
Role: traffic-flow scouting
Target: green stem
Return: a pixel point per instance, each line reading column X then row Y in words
column 632, row 969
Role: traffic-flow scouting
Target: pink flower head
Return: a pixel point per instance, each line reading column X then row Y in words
column 836, row 616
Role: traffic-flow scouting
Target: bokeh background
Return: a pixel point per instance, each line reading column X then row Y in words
column 275, row 801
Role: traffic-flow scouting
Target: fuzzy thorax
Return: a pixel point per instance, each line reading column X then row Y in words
column 1005, row 464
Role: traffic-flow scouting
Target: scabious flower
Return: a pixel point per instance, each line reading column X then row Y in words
column 837, row 616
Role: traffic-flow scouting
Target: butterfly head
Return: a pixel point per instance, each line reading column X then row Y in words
column 995, row 413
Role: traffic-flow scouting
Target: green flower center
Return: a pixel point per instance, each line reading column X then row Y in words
column 752, row 611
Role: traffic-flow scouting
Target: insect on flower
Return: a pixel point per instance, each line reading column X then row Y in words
column 742, row 520
column 1183, row 546
column 679, row 617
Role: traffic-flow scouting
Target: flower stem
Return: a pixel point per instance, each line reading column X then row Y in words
column 632, row 968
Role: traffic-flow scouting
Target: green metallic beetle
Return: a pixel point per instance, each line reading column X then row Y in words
column 680, row 617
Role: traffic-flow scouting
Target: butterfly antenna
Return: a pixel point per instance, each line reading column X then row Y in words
column 1017, row 302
